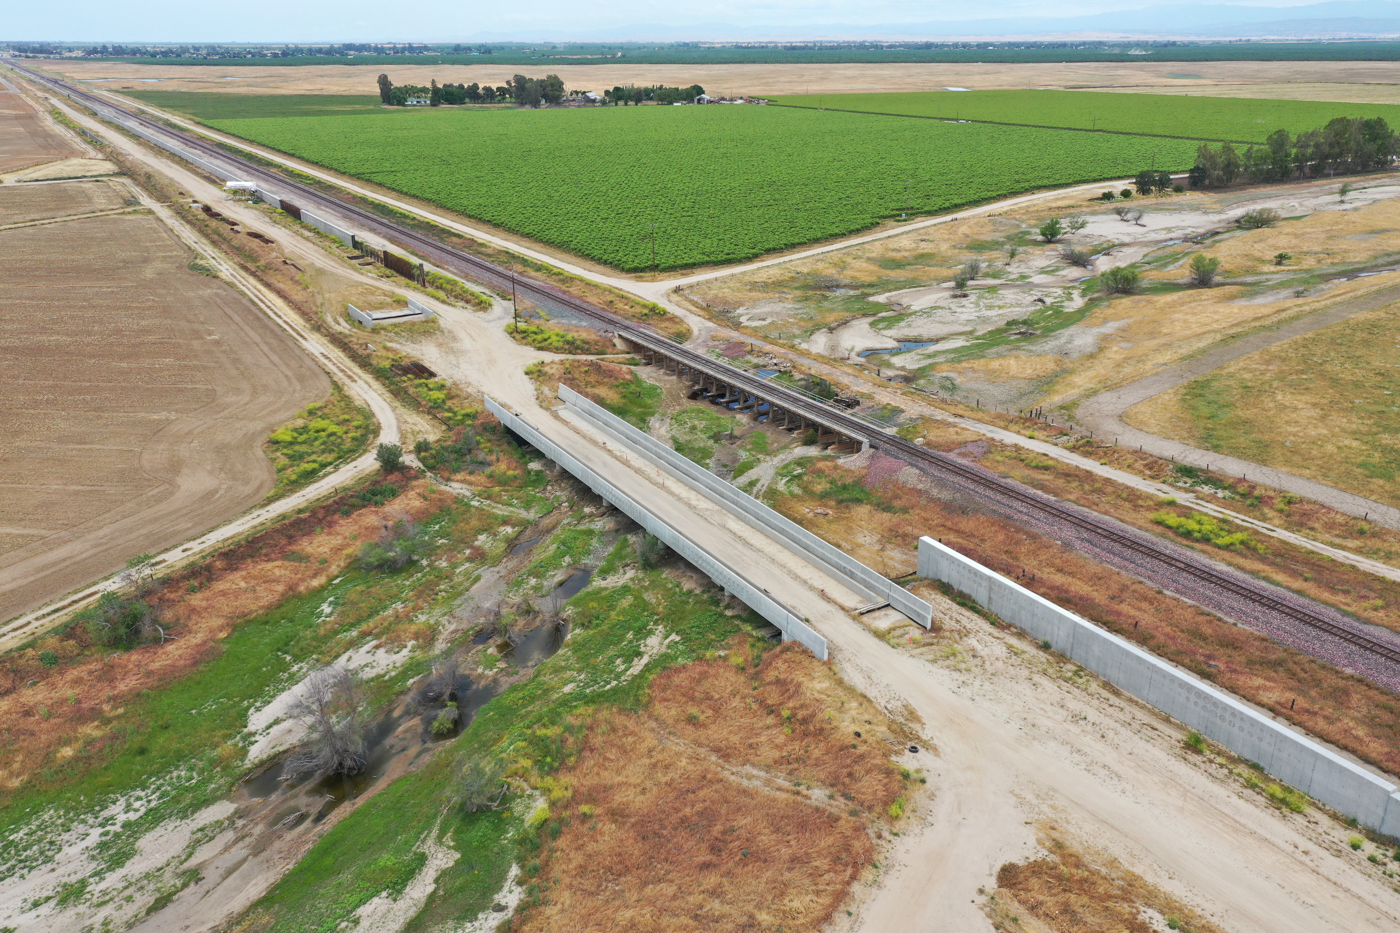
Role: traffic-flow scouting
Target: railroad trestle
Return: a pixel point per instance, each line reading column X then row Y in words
column 719, row 388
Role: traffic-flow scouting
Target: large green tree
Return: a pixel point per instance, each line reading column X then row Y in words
column 385, row 87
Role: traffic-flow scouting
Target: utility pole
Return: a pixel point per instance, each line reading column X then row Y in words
column 514, row 308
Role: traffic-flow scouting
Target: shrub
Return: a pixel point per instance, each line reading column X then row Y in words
column 1178, row 188
column 650, row 551
column 481, row 785
column 1204, row 270
column 960, row 282
column 1356, row 842
column 390, row 457
column 1122, row 280
column 1126, row 193
column 128, row 616
column 446, row 721
column 1259, row 217
column 377, row 494
column 399, row 545
column 422, row 446
column 331, row 711
column 1196, row 741
column 1281, row 258
column 1107, row 196
column 1052, row 230
column 1201, row 527
column 1076, row 256
column 48, row 659
column 896, row 808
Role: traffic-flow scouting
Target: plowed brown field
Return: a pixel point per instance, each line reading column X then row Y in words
column 134, row 399
column 20, row 203
column 27, row 137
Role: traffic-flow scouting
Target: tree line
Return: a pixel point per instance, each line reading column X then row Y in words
column 526, row 92
column 1344, row 146
column 657, row 93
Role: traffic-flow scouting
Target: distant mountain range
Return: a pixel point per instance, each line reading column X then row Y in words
column 1332, row 20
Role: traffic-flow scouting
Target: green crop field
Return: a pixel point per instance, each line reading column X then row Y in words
column 1213, row 118
column 719, row 184
column 210, row 106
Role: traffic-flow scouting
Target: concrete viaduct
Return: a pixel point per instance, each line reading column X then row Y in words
column 745, row 394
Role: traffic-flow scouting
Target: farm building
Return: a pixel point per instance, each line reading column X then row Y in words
column 417, row 102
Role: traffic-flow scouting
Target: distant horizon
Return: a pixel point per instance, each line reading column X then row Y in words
column 200, row 22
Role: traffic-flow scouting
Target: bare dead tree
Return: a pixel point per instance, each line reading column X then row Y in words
column 331, row 711
column 442, row 682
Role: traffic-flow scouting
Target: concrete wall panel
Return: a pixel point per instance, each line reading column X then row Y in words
column 1290, row 757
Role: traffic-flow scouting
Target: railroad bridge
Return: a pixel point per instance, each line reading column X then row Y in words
column 743, row 392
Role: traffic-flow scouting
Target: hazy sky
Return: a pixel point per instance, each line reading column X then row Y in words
column 454, row 20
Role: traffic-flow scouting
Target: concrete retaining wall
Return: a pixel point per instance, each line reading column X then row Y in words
column 427, row 312
column 269, row 198
column 792, row 626
column 861, row 577
column 358, row 315
column 325, row 226
column 1292, row 758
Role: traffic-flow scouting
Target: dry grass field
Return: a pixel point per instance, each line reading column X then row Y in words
column 1325, row 405
column 136, row 397
column 744, row 797
column 1076, row 890
column 1273, row 79
column 27, row 137
column 21, row 204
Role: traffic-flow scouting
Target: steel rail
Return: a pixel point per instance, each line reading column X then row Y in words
column 490, row 273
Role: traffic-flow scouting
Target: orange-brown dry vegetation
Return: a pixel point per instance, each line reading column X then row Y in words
column 738, row 799
column 201, row 606
column 1370, row 597
column 597, row 379
column 1343, row 709
column 1077, row 891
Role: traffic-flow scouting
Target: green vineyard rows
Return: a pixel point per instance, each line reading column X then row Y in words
column 1214, row 118
column 715, row 184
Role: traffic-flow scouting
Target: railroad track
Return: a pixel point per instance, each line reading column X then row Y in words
column 1096, row 528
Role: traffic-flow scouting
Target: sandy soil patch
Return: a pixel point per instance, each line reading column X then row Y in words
column 27, row 137
column 137, row 395
column 748, row 79
column 20, row 204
